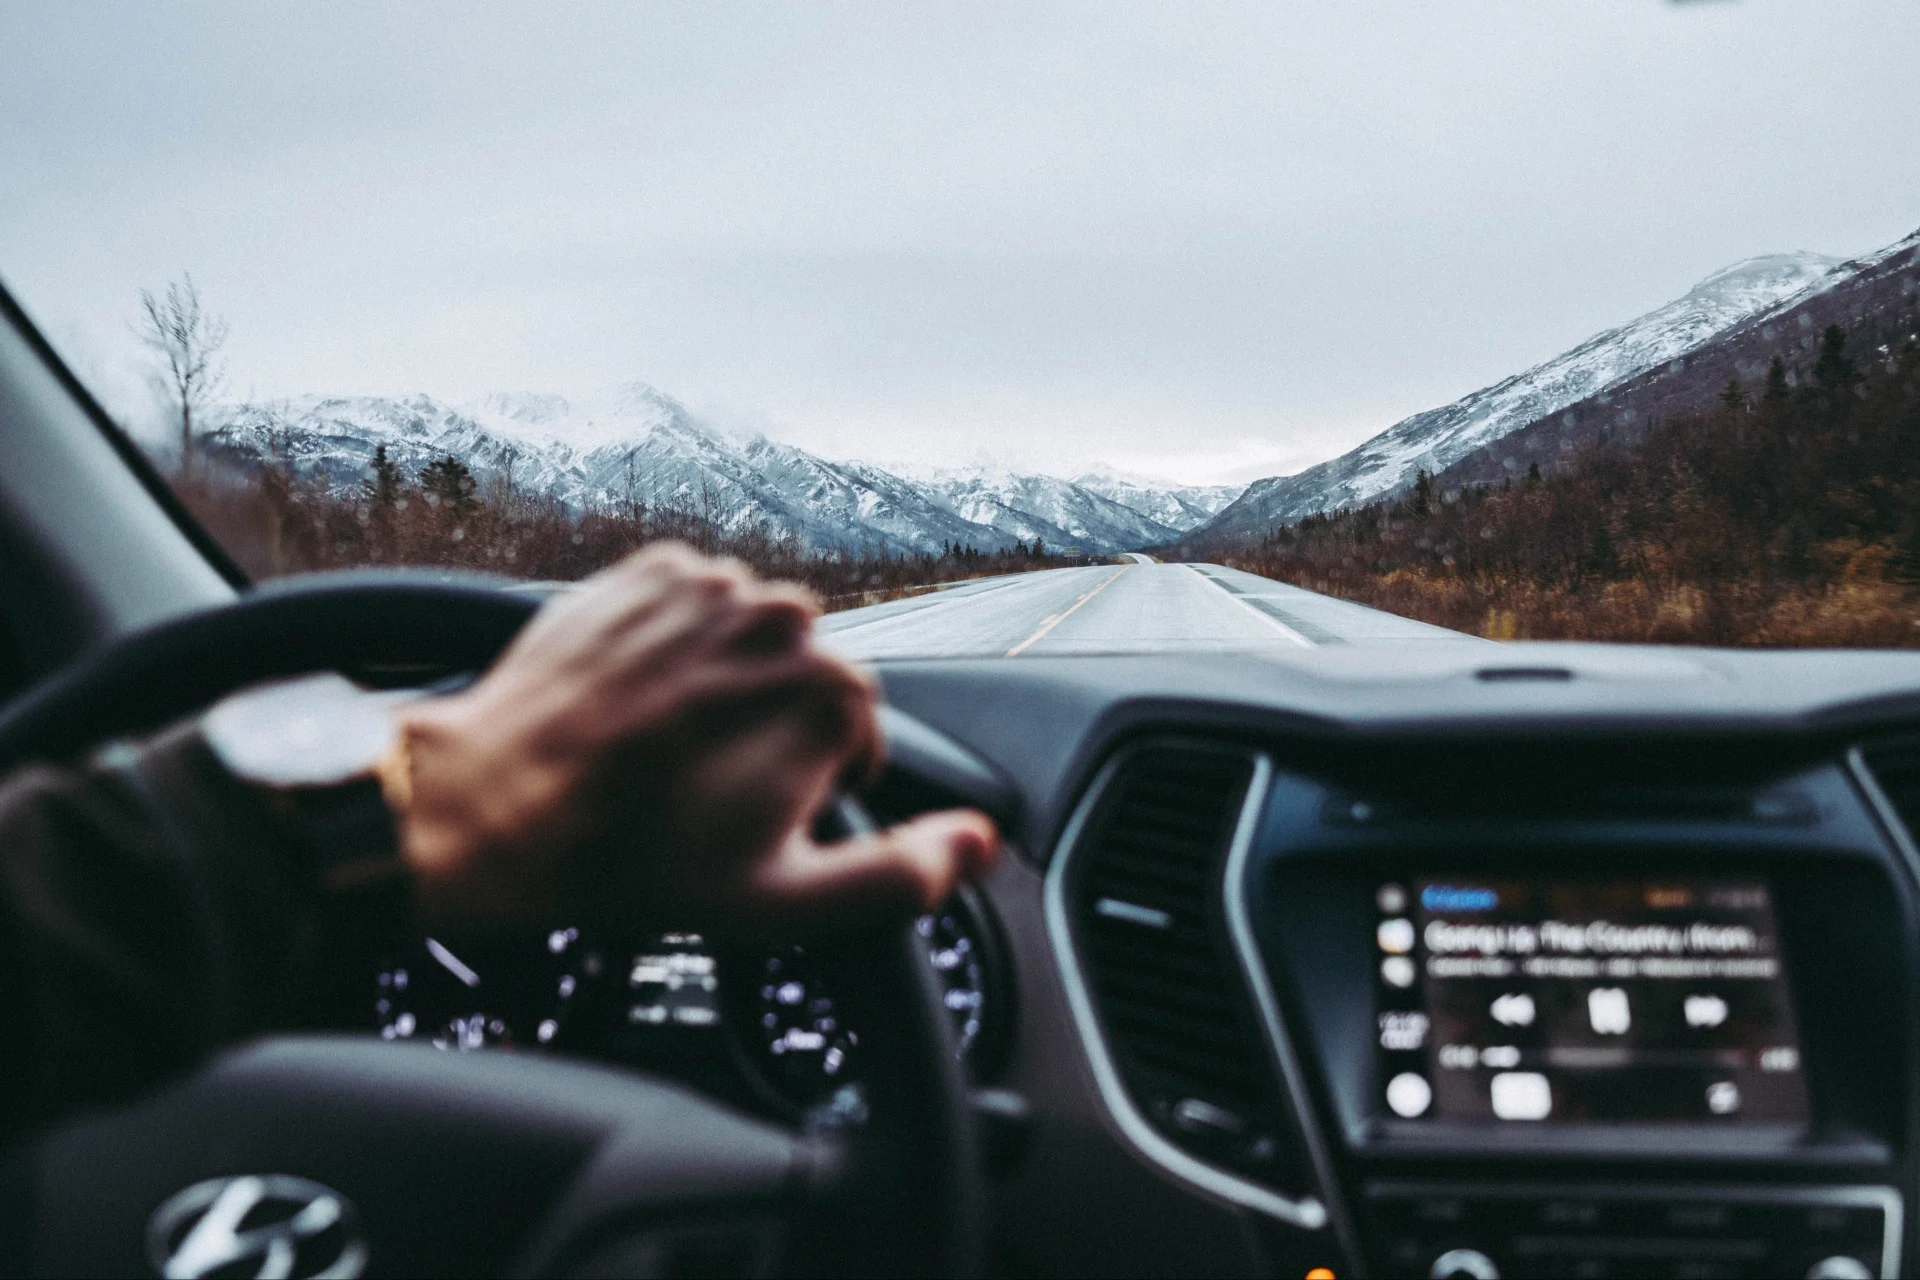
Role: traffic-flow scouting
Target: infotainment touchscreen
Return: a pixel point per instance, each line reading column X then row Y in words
column 1514, row 1002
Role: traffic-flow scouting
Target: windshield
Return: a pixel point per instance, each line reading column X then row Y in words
column 1018, row 330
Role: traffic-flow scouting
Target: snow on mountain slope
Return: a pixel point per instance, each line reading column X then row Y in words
column 1058, row 512
column 1438, row 437
column 637, row 444
column 1871, row 298
column 333, row 437
column 1176, row 506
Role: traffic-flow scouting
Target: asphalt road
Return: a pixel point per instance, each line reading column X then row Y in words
column 1131, row 608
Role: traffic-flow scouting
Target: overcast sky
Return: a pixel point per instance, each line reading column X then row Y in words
column 1209, row 241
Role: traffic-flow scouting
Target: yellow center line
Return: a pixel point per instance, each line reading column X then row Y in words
column 1059, row 618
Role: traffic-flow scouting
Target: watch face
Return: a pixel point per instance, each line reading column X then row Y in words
column 316, row 731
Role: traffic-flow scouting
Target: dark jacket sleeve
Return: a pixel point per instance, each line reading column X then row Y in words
column 152, row 908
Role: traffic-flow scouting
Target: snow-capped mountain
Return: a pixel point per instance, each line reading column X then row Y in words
column 1177, row 506
column 637, row 444
column 1871, row 298
column 1058, row 512
column 333, row 437
column 1435, row 439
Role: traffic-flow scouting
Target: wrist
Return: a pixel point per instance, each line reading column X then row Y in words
column 450, row 799
column 311, row 746
column 431, row 842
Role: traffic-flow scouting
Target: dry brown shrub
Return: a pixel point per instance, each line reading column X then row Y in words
column 1796, row 524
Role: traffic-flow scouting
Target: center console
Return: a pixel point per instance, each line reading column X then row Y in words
column 1638, row 1039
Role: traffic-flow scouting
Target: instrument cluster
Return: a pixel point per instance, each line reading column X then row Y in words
column 766, row 1019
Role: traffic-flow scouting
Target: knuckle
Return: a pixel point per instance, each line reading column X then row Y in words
column 712, row 583
column 665, row 559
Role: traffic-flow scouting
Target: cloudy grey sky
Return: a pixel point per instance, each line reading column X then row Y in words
column 1211, row 241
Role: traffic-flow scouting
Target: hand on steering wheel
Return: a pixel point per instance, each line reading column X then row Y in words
column 521, row 1164
column 658, row 741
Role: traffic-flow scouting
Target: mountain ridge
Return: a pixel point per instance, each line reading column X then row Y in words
column 636, row 444
column 1436, row 439
column 1875, row 299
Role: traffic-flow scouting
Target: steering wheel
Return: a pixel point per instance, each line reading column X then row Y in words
column 346, row 1155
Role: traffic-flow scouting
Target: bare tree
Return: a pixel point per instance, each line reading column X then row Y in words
column 186, row 341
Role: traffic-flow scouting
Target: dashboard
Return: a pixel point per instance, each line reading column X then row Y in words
column 760, row 1025
column 1597, row 962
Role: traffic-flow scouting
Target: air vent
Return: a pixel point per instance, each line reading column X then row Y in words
column 1144, row 894
column 1896, row 767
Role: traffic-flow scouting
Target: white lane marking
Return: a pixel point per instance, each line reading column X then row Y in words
column 1261, row 614
column 452, row 963
column 1059, row 618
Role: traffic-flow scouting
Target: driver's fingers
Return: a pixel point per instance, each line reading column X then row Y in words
column 777, row 616
column 617, row 601
column 699, row 625
column 871, row 879
column 756, row 716
column 670, row 560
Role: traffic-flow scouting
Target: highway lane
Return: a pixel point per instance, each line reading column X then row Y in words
column 1127, row 608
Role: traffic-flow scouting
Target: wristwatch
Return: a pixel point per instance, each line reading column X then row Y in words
column 328, row 755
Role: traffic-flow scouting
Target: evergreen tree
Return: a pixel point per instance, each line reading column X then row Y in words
column 382, row 488
column 1422, row 494
column 381, row 493
column 448, row 480
column 1834, row 369
column 1733, row 396
column 1533, row 473
column 1777, row 389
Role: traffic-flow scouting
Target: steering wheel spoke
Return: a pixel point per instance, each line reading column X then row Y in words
column 450, row 1163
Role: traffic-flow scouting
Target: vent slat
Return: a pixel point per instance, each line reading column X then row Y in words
column 1172, row 1002
column 1160, row 852
column 1122, row 865
column 1186, row 972
column 1194, row 1036
column 1186, row 850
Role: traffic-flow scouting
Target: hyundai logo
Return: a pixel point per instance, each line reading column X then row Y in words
column 269, row 1227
